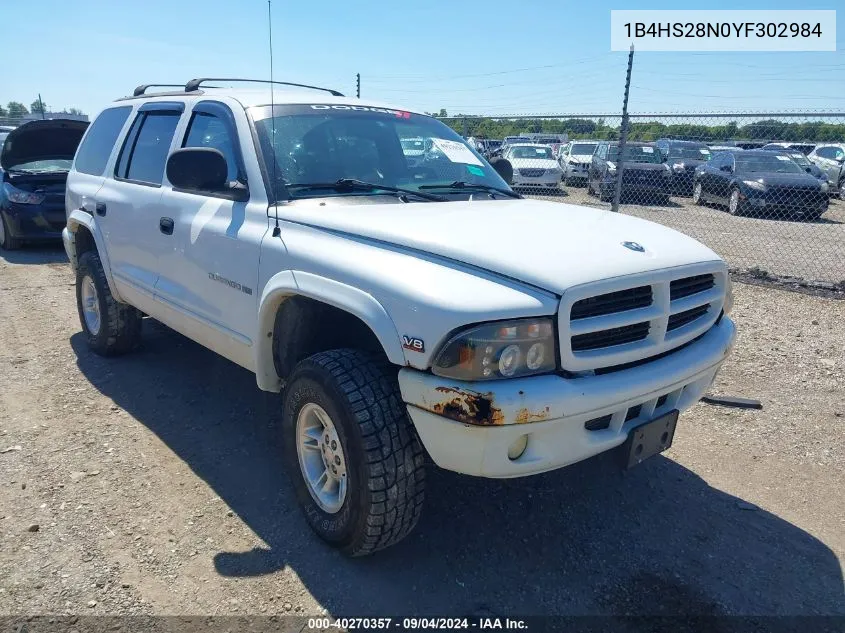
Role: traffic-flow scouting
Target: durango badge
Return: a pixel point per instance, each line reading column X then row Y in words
column 412, row 343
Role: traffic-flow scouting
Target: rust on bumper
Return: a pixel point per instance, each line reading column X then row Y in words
column 464, row 405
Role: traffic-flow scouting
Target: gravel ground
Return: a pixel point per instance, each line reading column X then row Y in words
column 813, row 251
column 152, row 484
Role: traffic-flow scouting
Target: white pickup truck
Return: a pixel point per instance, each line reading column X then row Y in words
column 402, row 305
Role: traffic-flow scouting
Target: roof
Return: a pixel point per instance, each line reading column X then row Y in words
column 250, row 97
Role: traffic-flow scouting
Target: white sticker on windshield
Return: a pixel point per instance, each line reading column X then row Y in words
column 782, row 157
column 456, row 152
column 540, row 150
column 648, row 150
column 706, row 152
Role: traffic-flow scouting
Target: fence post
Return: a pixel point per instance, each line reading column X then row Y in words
column 623, row 136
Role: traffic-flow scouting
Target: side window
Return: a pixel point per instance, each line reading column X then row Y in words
column 207, row 130
column 147, row 145
column 94, row 152
column 838, row 154
column 826, row 152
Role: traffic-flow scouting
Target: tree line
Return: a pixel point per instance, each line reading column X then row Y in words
column 17, row 110
column 770, row 129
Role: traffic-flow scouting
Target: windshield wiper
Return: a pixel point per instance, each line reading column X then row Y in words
column 462, row 184
column 352, row 184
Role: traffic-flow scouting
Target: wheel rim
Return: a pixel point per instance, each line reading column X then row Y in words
column 696, row 193
column 2, row 231
column 321, row 458
column 90, row 305
column 734, row 203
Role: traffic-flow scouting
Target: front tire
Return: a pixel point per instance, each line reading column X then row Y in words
column 696, row 194
column 735, row 204
column 110, row 327
column 7, row 242
column 352, row 453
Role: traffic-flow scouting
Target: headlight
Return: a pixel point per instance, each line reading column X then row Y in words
column 824, row 186
column 19, row 196
column 729, row 294
column 611, row 168
column 499, row 350
column 678, row 167
column 753, row 184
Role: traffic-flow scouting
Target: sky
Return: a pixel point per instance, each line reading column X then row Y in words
column 492, row 57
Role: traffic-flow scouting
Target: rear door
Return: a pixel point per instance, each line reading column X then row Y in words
column 129, row 202
column 88, row 171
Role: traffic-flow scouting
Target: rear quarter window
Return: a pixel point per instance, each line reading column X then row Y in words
column 96, row 147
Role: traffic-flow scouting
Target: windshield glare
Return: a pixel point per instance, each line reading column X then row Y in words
column 689, row 153
column 636, row 154
column 321, row 144
column 531, row 151
column 775, row 164
column 799, row 158
column 583, row 149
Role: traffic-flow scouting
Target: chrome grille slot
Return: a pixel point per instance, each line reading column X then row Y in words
column 611, row 337
column 688, row 316
column 612, row 302
column 681, row 288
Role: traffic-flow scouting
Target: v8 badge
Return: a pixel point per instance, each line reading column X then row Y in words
column 413, row 343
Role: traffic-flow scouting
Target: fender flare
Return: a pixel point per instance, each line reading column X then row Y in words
column 347, row 298
column 79, row 218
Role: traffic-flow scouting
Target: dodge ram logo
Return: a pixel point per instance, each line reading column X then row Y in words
column 633, row 246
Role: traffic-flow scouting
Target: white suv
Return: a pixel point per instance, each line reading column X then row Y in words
column 402, row 307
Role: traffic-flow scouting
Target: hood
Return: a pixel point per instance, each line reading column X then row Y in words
column 783, row 180
column 629, row 166
column 42, row 140
column 581, row 158
column 687, row 162
column 549, row 245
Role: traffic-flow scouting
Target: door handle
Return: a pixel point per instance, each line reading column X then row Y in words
column 100, row 208
column 165, row 225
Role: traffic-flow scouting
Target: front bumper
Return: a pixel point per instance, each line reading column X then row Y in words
column 467, row 429
column 34, row 222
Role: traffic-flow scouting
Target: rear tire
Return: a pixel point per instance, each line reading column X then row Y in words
column 374, row 498
column 7, row 242
column 110, row 327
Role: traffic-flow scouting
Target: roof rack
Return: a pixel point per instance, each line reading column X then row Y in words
column 194, row 84
column 143, row 88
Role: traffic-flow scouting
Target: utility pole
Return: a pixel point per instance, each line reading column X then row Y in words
column 41, row 105
column 623, row 137
column 358, row 85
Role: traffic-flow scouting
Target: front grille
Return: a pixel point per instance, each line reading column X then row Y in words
column 612, row 302
column 616, row 324
column 640, row 176
column 611, row 337
column 532, row 173
column 688, row 316
column 661, row 400
column 687, row 286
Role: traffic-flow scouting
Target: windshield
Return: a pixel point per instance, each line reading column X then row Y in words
column 777, row 163
column 800, row 158
column 635, row 154
column 53, row 164
column 493, row 144
column 319, row 143
column 531, row 151
column 690, row 153
column 583, row 149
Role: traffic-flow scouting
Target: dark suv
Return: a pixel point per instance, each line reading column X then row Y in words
column 682, row 157
column 644, row 175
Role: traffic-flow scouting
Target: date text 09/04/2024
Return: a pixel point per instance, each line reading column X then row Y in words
column 417, row 624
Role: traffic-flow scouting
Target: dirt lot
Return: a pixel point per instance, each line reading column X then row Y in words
column 813, row 251
column 152, row 484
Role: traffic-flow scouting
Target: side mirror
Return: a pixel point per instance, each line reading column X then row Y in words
column 727, row 168
column 201, row 169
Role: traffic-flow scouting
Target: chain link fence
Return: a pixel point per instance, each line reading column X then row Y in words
column 765, row 191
